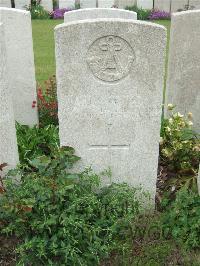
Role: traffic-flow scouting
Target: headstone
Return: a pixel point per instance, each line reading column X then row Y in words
column 21, row 70
column 163, row 5
column 110, row 96
column 21, row 4
column 183, row 84
column 105, row 3
column 47, row 4
column 125, row 3
column 66, row 3
column 145, row 4
column 94, row 13
column 88, row 3
column 177, row 5
column 195, row 4
column 5, row 3
column 8, row 142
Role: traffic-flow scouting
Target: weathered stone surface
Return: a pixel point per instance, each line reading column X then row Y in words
column 125, row 3
column 94, row 13
column 195, row 4
column 21, row 4
column 21, row 70
column 162, row 5
column 178, row 5
column 5, row 3
column 105, row 3
column 183, row 84
column 88, row 3
column 66, row 3
column 8, row 142
column 47, row 4
column 145, row 4
column 110, row 96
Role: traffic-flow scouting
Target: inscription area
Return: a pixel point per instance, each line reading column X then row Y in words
column 110, row 58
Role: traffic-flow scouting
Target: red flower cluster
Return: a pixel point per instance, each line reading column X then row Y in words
column 47, row 103
column 34, row 104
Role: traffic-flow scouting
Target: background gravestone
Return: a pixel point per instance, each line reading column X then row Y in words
column 105, row 3
column 21, row 4
column 178, row 5
column 163, row 5
column 8, row 142
column 66, row 3
column 195, row 4
column 183, row 84
column 94, row 13
column 88, row 3
column 21, row 70
column 110, row 96
column 5, row 3
column 47, row 4
column 125, row 3
column 145, row 4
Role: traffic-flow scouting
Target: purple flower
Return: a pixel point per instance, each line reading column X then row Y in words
column 59, row 13
column 158, row 14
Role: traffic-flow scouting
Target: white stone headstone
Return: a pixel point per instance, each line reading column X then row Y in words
column 162, row 5
column 88, row 3
column 21, row 4
column 105, row 3
column 8, row 142
column 110, row 96
column 94, row 13
column 183, row 84
column 145, row 4
column 195, row 4
column 5, row 3
column 177, row 5
column 66, row 3
column 47, row 4
column 21, row 70
column 125, row 3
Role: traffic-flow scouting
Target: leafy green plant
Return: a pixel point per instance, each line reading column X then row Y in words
column 37, row 11
column 180, row 149
column 181, row 218
column 64, row 218
column 142, row 14
column 34, row 142
column 47, row 103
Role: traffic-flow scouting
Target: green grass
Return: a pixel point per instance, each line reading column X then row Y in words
column 43, row 41
column 43, row 44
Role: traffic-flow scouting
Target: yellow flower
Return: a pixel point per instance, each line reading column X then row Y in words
column 190, row 115
column 197, row 148
column 168, row 129
column 171, row 121
column 161, row 141
column 190, row 123
column 170, row 106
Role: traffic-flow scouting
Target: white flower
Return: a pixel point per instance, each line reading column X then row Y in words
column 171, row 121
column 170, row 106
column 190, row 115
column 190, row 123
column 161, row 141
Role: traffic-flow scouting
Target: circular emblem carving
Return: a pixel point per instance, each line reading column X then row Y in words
column 110, row 58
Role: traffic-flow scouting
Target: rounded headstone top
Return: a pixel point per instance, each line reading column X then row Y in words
column 14, row 10
column 95, row 13
column 185, row 13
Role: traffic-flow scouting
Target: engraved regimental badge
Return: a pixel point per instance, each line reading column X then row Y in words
column 110, row 58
